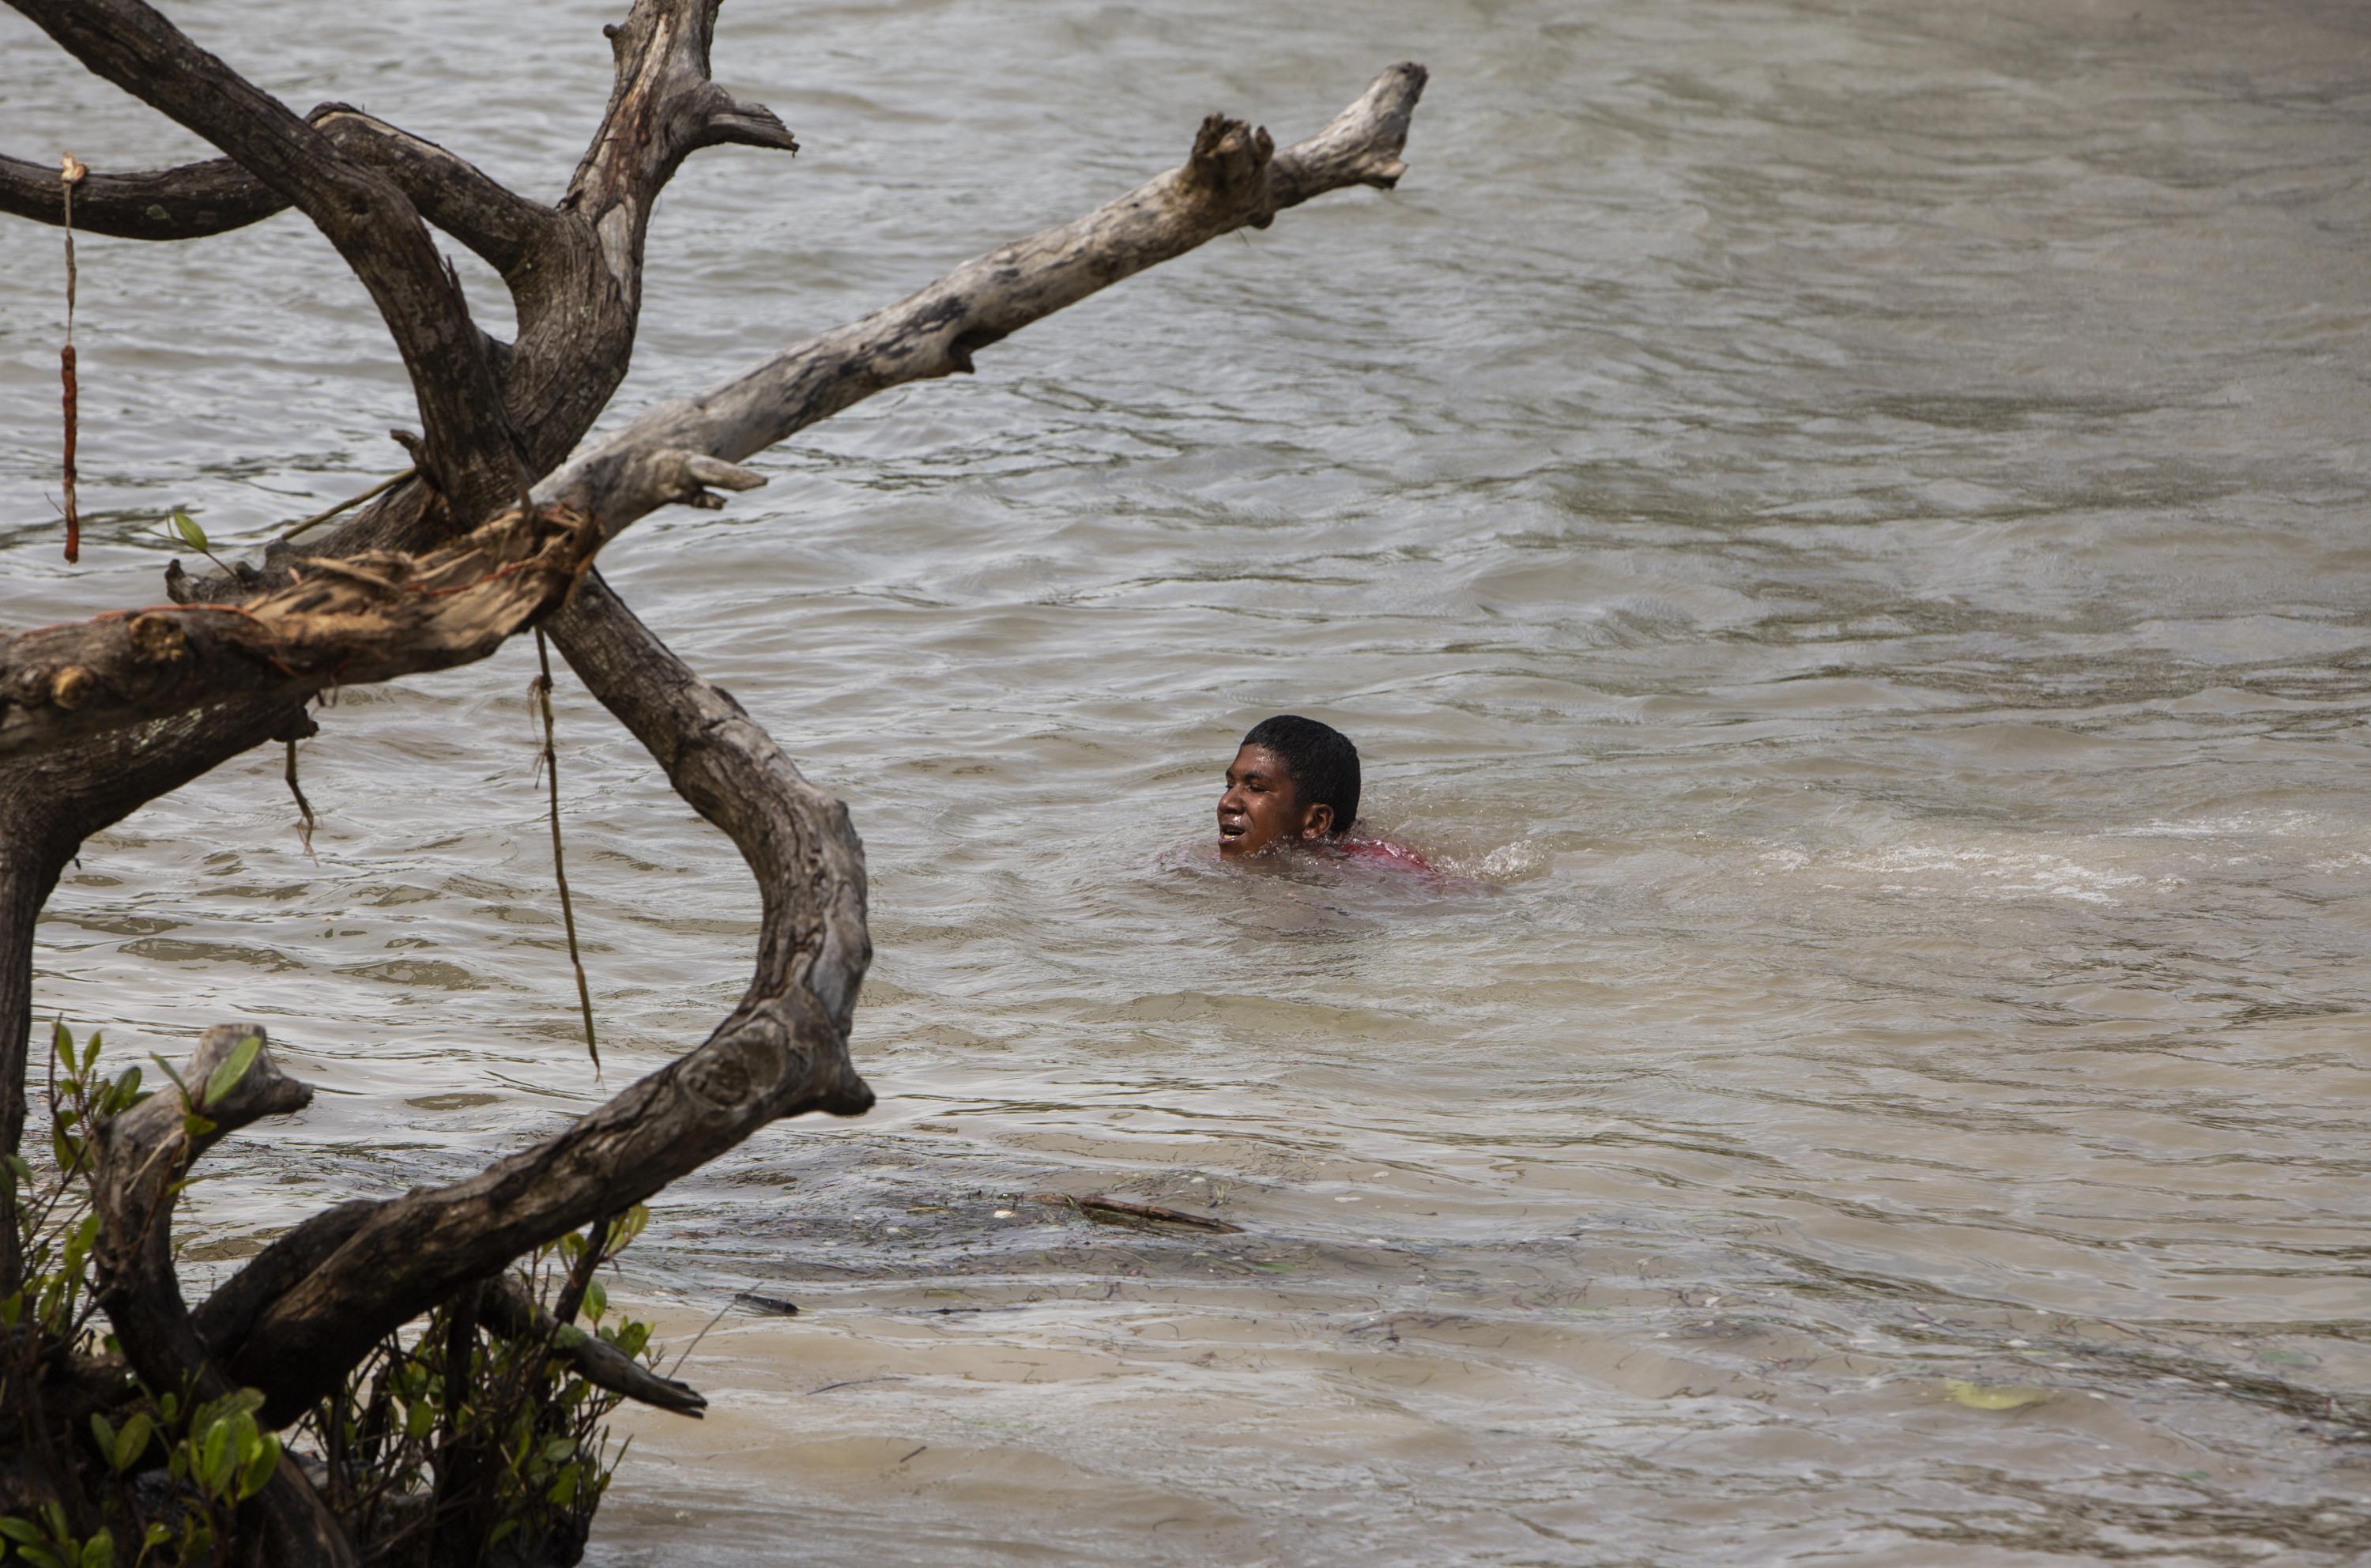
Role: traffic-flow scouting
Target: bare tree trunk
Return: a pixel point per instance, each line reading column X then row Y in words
column 27, row 873
column 97, row 717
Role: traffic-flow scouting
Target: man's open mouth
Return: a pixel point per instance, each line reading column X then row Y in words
column 1233, row 829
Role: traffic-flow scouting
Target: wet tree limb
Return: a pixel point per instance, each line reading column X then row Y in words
column 190, row 202
column 783, row 1050
column 195, row 201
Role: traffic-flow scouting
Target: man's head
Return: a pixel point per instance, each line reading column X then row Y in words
column 1294, row 778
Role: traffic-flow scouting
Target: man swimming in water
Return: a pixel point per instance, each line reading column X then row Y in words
column 1295, row 781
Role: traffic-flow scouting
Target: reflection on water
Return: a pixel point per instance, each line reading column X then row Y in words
column 1844, row 525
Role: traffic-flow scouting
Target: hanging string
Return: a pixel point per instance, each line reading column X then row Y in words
column 70, row 173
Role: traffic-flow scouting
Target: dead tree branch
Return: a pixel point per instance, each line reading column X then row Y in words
column 190, row 202
column 782, row 1050
column 350, row 622
column 198, row 199
column 510, row 1311
column 1232, row 179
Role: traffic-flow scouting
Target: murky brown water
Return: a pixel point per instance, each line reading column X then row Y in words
column 1849, row 522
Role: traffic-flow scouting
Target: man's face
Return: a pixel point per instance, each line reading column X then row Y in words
column 1261, row 808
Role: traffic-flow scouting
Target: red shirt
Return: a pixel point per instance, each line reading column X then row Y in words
column 1384, row 851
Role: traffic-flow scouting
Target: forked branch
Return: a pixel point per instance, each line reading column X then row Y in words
column 469, row 452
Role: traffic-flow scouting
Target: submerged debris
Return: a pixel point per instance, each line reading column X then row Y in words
column 1097, row 1207
column 771, row 1304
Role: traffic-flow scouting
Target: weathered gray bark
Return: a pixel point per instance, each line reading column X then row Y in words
column 1231, row 179
column 98, row 716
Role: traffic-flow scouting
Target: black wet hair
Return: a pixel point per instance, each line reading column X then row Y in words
column 1321, row 761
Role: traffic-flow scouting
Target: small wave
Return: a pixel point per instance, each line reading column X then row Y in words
column 1505, row 864
column 1993, row 873
column 2260, row 824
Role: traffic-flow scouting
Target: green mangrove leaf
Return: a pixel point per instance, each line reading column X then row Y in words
column 259, row 1466
column 225, row 1077
column 131, row 1443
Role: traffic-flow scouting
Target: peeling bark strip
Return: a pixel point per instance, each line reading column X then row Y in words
column 1232, row 179
column 343, row 623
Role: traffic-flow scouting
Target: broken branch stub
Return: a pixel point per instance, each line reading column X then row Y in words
column 350, row 622
column 139, row 1158
column 511, row 1311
